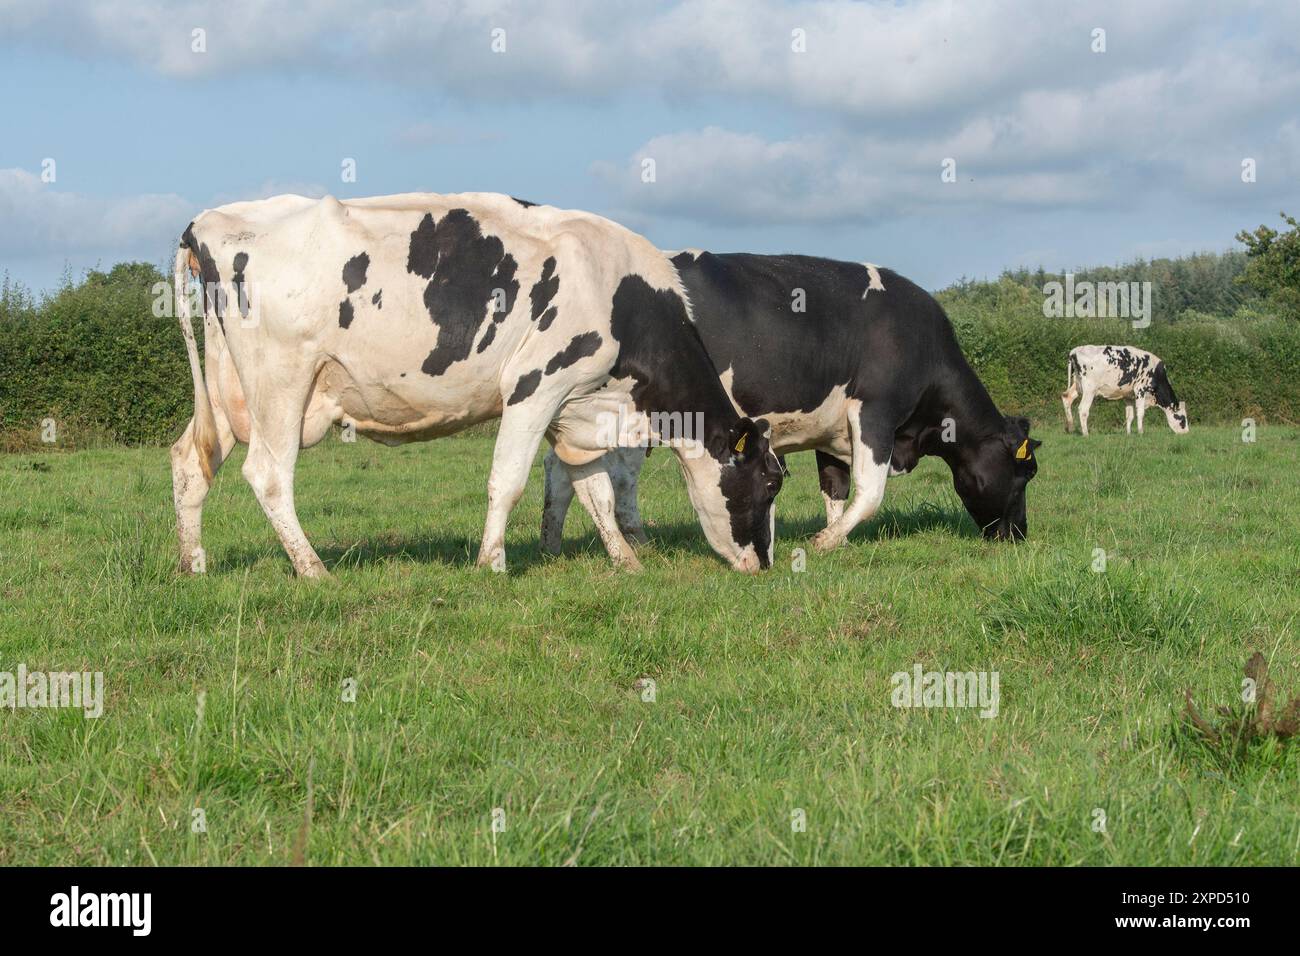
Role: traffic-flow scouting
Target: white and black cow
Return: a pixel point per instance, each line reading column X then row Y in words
column 415, row 316
column 868, row 373
column 1120, row 372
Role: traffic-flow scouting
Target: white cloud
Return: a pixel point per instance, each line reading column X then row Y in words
column 867, row 60
column 856, row 126
column 764, row 180
column 1104, row 132
column 40, row 219
column 722, row 176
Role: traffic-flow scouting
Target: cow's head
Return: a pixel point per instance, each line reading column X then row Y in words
column 991, row 475
column 1163, row 392
column 1176, row 416
column 732, row 489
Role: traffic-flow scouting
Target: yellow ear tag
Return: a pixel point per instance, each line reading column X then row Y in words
column 740, row 443
column 1023, row 453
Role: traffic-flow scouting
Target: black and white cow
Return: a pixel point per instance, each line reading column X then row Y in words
column 1120, row 372
column 415, row 316
column 855, row 362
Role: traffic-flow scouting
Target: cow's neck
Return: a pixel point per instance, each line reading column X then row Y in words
column 660, row 351
column 686, row 400
column 954, row 417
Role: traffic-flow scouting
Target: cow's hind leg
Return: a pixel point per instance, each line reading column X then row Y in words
column 869, row 443
column 624, row 472
column 595, row 490
column 556, row 498
column 623, row 465
column 273, row 444
column 190, row 486
column 833, row 476
column 610, row 499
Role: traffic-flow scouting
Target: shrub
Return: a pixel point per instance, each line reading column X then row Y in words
column 1225, row 370
column 94, row 358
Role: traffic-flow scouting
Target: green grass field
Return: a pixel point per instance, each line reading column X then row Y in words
column 772, row 693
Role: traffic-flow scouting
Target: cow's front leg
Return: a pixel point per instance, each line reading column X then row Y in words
column 1141, row 412
column 1085, row 409
column 521, row 431
column 1128, row 418
column 869, row 443
column 833, row 477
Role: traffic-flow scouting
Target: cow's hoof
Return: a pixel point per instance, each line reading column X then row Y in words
column 193, row 561
column 827, row 540
column 494, row 560
column 551, row 538
column 628, row 562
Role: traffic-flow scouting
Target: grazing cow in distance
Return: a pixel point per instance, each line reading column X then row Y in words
column 1120, row 372
column 867, row 372
column 418, row 315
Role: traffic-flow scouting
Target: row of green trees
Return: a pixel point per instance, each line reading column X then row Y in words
column 1261, row 280
column 1188, row 287
column 93, row 358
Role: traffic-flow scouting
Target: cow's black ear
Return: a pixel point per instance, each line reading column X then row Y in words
column 738, row 437
column 745, row 437
column 1023, row 450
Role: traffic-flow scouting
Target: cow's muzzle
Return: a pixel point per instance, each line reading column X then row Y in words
column 1006, row 531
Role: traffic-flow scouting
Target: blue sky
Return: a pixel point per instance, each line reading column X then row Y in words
column 1065, row 156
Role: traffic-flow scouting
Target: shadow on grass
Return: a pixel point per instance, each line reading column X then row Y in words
column 687, row 536
column 918, row 520
column 421, row 549
column 667, row 538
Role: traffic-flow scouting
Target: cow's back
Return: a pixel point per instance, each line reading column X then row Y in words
column 413, row 305
column 1115, row 371
column 784, row 330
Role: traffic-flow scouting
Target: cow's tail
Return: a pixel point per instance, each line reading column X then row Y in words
column 1073, row 378
column 206, row 443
